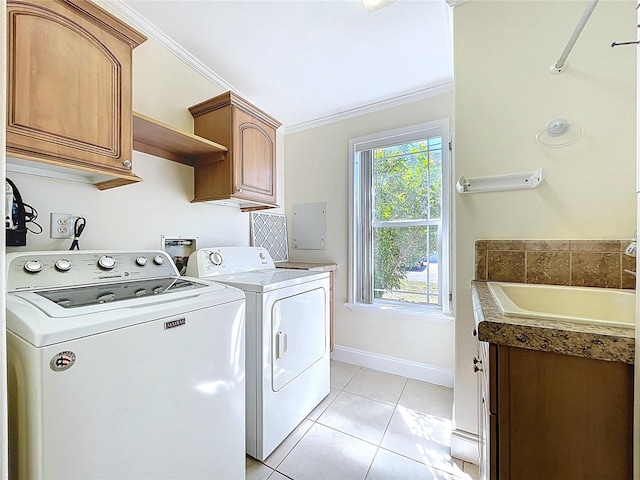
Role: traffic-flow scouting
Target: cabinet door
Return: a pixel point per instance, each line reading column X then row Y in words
column 69, row 87
column 568, row 417
column 254, row 153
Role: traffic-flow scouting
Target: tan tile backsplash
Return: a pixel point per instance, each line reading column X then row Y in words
column 588, row 263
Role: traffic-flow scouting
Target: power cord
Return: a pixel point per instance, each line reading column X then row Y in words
column 78, row 228
column 30, row 215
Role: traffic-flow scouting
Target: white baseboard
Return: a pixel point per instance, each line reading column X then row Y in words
column 396, row 366
column 464, row 445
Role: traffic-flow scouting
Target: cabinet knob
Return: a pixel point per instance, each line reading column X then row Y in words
column 126, row 163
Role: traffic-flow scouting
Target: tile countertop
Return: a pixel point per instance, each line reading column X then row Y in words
column 590, row 341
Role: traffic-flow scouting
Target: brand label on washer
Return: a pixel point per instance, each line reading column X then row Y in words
column 175, row 323
column 62, row 361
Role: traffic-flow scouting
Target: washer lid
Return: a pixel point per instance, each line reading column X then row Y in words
column 42, row 321
column 267, row 280
column 115, row 292
column 92, row 299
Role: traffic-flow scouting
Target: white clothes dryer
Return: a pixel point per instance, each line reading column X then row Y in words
column 119, row 368
column 287, row 339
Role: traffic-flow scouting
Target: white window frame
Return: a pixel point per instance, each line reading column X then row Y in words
column 358, row 243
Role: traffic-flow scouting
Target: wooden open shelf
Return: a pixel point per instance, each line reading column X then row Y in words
column 162, row 140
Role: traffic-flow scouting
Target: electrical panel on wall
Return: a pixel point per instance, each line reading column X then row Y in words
column 310, row 226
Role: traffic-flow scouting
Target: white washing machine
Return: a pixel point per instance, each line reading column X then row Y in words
column 287, row 339
column 119, row 368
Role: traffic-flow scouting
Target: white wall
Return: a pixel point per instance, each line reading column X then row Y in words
column 135, row 216
column 317, row 170
column 504, row 95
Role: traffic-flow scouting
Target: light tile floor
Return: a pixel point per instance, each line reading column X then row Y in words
column 372, row 425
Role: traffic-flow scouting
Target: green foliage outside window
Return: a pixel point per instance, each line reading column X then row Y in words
column 407, row 185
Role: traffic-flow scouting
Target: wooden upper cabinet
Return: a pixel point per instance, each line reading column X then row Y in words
column 69, row 89
column 246, row 174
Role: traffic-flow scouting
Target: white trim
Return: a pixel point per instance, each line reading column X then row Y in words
column 140, row 23
column 128, row 14
column 452, row 219
column 455, row 3
column 465, row 446
column 396, row 366
column 373, row 107
column 390, row 137
column 428, row 313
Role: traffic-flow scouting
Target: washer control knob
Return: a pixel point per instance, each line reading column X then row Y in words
column 106, row 297
column 141, row 261
column 158, row 259
column 141, row 292
column 158, row 290
column 215, row 258
column 63, row 265
column 33, row 266
column 106, row 262
column 262, row 257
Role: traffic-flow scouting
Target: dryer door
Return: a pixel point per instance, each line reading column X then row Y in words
column 298, row 334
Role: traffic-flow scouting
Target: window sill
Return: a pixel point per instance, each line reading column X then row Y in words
column 424, row 312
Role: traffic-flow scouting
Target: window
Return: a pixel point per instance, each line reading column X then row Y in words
column 399, row 219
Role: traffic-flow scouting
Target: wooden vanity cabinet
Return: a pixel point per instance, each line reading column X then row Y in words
column 246, row 174
column 69, row 88
column 553, row 416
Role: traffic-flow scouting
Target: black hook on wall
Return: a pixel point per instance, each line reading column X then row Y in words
column 617, row 44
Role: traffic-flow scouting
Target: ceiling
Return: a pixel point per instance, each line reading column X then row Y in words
column 304, row 61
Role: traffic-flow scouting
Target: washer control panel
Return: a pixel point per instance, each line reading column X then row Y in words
column 38, row 270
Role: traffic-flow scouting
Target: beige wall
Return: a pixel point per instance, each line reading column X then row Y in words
column 317, row 170
column 504, row 95
column 164, row 87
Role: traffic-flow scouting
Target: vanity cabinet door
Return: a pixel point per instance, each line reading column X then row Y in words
column 69, row 86
column 562, row 416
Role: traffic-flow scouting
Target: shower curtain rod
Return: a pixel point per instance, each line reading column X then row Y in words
column 561, row 65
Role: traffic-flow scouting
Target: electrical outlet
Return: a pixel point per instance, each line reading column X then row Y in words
column 61, row 225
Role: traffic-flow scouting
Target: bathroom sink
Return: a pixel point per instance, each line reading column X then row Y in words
column 594, row 306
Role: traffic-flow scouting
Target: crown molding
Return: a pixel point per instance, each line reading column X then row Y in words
column 374, row 107
column 455, row 3
column 125, row 12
